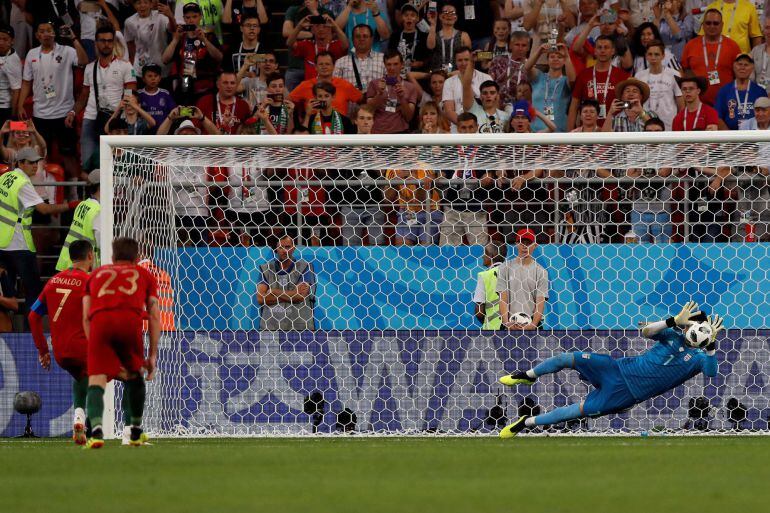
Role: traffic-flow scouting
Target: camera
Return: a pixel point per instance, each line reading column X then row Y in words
column 65, row 32
column 276, row 97
column 484, row 56
column 626, row 105
column 320, row 104
column 188, row 27
column 391, row 81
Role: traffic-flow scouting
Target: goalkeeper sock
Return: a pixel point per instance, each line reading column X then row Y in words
column 553, row 364
column 125, row 404
column 565, row 413
column 136, row 394
column 95, row 405
column 79, row 393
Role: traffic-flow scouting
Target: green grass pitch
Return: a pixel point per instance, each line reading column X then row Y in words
column 368, row 475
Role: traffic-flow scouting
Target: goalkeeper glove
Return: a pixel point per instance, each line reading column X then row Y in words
column 717, row 325
column 682, row 319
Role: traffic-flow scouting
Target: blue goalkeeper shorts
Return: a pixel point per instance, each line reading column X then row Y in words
column 610, row 394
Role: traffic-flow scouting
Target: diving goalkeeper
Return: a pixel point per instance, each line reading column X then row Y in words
column 620, row 384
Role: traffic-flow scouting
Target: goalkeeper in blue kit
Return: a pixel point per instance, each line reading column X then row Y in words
column 619, row 384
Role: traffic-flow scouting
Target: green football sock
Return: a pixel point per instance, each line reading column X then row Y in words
column 95, row 405
column 79, row 392
column 125, row 403
column 136, row 394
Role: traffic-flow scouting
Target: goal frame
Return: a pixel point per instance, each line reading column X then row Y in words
column 109, row 142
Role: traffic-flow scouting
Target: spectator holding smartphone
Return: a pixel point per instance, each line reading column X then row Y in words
column 146, row 33
column 196, row 54
column 393, row 98
column 321, row 116
column 248, row 44
column 138, row 121
column 22, row 135
column 327, row 37
column 252, row 86
column 279, row 109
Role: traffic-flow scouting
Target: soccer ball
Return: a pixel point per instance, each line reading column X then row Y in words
column 698, row 334
column 521, row 318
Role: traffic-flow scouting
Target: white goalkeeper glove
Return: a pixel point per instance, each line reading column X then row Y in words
column 682, row 319
column 717, row 324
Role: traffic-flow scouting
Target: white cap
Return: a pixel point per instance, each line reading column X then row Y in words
column 187, row 124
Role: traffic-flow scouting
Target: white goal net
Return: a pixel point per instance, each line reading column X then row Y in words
column 337, row 284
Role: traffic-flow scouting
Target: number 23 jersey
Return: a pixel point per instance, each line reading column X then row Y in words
column 120, row 287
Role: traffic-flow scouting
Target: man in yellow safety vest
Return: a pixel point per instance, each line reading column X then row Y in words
column 486, row 299
column 18, row 199
column 86, row 224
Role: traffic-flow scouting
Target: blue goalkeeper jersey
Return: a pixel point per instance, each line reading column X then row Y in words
column 664, row 366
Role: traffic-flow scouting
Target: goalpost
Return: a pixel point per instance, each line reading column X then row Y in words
column 396, row 348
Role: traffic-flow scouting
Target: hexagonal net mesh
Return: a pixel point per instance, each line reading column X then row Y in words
column 336, row 284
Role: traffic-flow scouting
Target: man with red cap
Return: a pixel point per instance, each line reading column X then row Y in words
column 522, row 285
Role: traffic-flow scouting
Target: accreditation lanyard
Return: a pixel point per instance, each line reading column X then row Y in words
column 705, row 54
column 451, row 48
column 518, row 73
column 695, row 122
column 732, row 18
column 550, row 99
column 745, row 107
column 606, row 85
column 228, row 110
column 356, row 22
column 413, row 47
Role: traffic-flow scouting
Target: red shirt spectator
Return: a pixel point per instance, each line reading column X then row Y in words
column 226, row 110
column 308, row 49
column 711, row 55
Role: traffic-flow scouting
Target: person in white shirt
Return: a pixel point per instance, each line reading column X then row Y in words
column 665, row 96
column 452, row 96
column 10, row 75
column 107, row 77
column 49, row 77
column 146, row 33
column 490, row 118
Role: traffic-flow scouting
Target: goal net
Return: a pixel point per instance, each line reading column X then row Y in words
column 338, row 284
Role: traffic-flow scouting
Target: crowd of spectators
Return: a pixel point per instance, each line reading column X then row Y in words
column 72, row 70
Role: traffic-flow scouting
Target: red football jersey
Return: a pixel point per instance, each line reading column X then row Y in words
column 120, row 287
column 63, row 297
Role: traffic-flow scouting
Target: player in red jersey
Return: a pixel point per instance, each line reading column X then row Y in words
column 62, row 300
column 116, row 300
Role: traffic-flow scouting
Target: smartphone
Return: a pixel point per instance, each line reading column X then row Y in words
column 259, row 58
column 18, row 126
column 188, row 27
column 317, row 20
column 608, row 17
column 391, row 81
column 128, row 93
column 66, row 32
column 320, row 104
column 186, row 112
column 484, row 56
column 432, row 7
column 276, row 97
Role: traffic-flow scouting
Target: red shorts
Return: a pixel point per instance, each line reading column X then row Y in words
column 116, row 342
column 72, row 357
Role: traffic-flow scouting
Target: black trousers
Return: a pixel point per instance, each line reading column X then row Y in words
column 23, row 263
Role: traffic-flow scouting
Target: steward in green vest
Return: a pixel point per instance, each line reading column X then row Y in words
column 18, row 199
column 486, row 298
column 85, row 224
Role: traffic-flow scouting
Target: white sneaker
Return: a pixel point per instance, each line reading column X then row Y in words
column 79, row 427
column 126, row 438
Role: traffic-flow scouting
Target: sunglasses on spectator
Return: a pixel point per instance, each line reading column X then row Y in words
column 712, row 23
column 449, row 13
